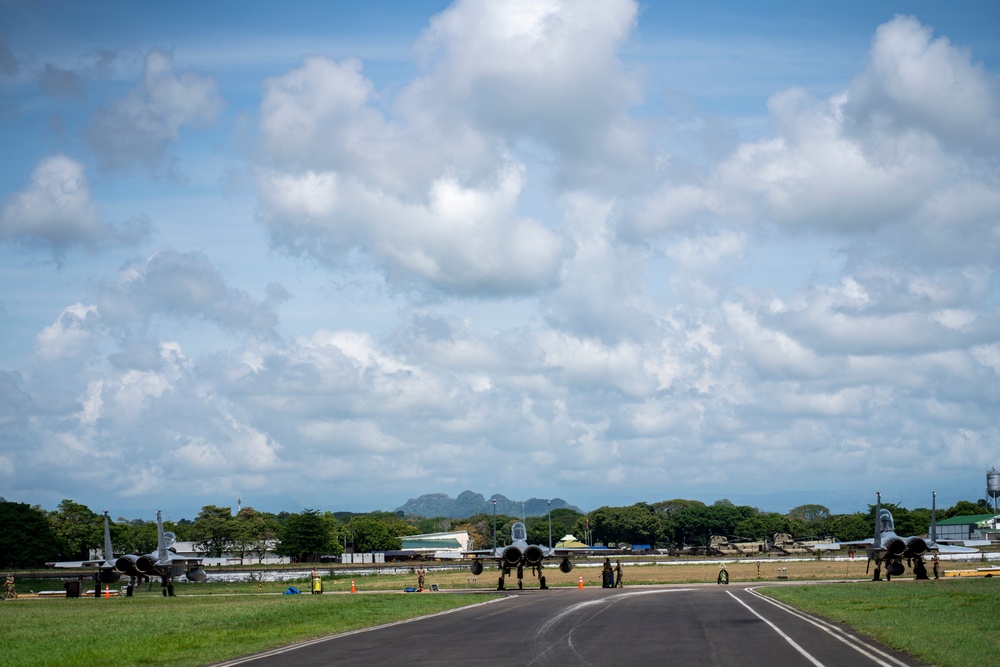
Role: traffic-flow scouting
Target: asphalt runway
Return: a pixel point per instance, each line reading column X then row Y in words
column 657, row 625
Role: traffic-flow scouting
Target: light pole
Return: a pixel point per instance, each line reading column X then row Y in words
column 494, row 525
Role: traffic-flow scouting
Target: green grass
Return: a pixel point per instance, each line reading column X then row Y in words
column 189, row 629
column 946, row 622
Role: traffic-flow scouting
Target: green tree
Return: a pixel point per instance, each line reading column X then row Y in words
column 965, row 508
column 667, row 511
column 133, row 537
column 248, row 527
column 761, row 526
column 304, row 537
column 564, row 520
column 696, row 524
column 809, row 513
column 26, row 537
column 78, row 528
column 850, row 527
column 675, row 505
column 212, row 530
column 372, row 534
column 396, row 524
column 634, row 524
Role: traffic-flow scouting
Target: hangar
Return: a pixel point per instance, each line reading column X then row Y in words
column 972, row 528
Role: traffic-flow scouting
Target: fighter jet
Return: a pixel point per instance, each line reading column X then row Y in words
column 162, row 563
column 518, row 555
column 890, row 549
column 106, row 572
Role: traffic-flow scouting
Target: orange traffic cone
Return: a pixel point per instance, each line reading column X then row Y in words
column 353, row 589
column 107, row 591
column 580, row 585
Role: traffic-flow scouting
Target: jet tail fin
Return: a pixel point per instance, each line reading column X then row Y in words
column 109, row 555
column 161, row 549
column 934, row 517
column 877, row 544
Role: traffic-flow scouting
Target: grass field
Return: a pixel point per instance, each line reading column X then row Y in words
column 946, row 622
column 190, row 629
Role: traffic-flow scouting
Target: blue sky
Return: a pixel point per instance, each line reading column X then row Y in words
column 338, row 256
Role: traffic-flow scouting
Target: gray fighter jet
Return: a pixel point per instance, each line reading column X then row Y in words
column 518, row 555
column 889, row 549
column 162, row 563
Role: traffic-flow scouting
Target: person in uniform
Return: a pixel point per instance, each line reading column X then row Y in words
column 607, row 576
column 935, row 561
column 421, row 575
column 618, row 574
column 8, row 588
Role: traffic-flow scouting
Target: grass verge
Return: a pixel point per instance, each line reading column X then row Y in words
column 948, row 623
column 191, row 630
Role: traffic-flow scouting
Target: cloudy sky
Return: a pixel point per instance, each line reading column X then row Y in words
column 338, row 255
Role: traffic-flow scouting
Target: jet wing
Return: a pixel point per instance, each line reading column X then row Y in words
column 833, row 546
column 487, row 553
column 173, row 559
column 80, row 563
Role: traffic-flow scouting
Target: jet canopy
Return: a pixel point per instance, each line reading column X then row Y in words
column 518, row 532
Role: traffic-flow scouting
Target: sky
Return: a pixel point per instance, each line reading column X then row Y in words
column 338, row 255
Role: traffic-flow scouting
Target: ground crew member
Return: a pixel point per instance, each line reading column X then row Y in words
column 935, row 561
column 8, row 588
column 421, row 574
column 618, row 574
column 723, row 575
column 317, row 582
column 607, row 577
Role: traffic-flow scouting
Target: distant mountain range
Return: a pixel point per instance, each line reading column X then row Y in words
column 468, row 503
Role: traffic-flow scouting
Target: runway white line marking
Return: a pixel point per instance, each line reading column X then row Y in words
column 774, row 627
column 857, row 644
column 320, row 640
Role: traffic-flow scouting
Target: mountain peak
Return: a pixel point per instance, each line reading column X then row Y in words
column 470, row 503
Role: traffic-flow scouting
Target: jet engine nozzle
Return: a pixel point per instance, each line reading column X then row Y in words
column 145, row 564
column 916, row 546
column 197, row 574
column 108, row 576
column 565, row 566
column 476, row 568
column 533, row 555
column 512, row 555
column 895, row 546
column 127, row 566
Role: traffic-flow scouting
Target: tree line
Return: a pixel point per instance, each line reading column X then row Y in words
column 32, row 536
